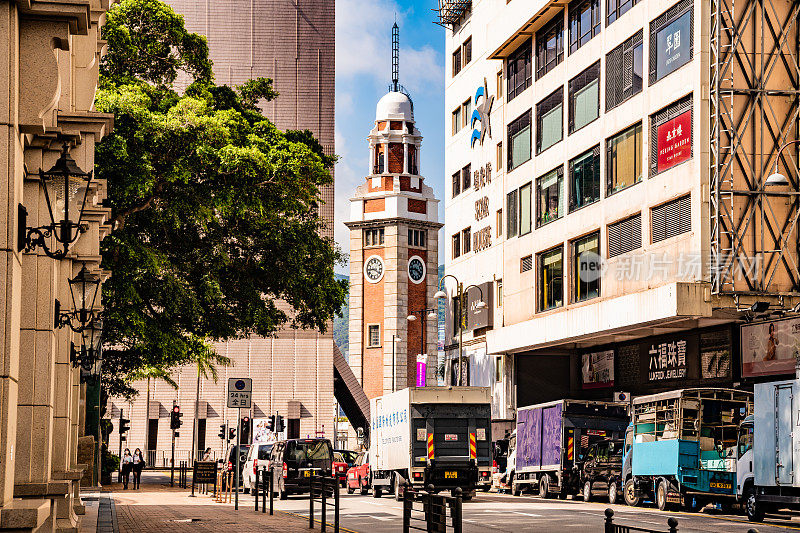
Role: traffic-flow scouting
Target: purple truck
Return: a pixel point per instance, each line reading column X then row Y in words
column 551, row 441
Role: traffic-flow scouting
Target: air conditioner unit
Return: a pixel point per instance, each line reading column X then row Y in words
column 624, row 397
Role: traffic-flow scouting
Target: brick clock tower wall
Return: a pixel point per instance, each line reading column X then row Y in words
column 417, row 296
column 373, row 315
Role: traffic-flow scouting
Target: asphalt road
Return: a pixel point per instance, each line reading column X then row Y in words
column 505, row 513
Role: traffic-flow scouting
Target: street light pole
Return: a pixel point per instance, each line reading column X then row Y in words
column 462, row 314
column 431, row 313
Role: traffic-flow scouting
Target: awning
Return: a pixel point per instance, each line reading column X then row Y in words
column 349, row 393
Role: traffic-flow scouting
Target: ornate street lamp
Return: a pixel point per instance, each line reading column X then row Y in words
column 461, row 291
column 83, row 289
column 66, row 189
column 89, row 355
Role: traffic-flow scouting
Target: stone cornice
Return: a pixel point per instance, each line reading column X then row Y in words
column 393, row 220
column 76, row 12
column 98, row 123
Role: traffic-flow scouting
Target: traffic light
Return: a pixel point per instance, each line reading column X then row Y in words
column 175, row 418
column 271, row 423
column 124, row 426
column 222, row 431
column 279, row 424
column 244, row 434
column 231, row 433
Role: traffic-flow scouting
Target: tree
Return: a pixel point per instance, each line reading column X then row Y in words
column 216, row 228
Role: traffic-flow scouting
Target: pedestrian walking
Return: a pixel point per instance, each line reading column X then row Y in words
column 207, row 454
column 125, row 467
column 138, row 466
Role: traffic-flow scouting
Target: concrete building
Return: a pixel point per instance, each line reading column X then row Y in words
column 50, row 57
column 609, row 163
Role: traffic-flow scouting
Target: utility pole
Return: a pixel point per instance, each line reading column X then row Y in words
column 194, row 422
column 121, row 416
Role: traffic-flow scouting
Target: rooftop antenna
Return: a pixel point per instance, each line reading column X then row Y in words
column 395, row 57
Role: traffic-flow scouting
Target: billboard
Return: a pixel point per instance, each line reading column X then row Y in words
column 770, row 348
column 675, row 141
column 673, row 45
column 598, row 369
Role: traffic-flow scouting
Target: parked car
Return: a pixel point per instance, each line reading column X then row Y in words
column 602, row 469
column 230, row 462
column 294, row 461
column 257, row 457
column 358, row 475
column 339, row 468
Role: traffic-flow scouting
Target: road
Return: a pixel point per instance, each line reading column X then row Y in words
column 505, row 513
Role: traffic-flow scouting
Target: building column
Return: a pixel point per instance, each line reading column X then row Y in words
column 405, row 157
column 385, row 169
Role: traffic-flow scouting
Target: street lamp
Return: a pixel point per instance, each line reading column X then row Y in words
column 66, row 189
column 776, row 178
column 423, row 313
column 462, row 315
column 83, row 289
column 90, row 358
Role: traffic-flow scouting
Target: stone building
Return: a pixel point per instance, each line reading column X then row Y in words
column 50, row 56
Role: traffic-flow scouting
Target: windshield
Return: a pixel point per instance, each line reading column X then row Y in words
column 745, row 439
column 317, row 452
column 337, row 457
column 349, row 456
column 264, row 451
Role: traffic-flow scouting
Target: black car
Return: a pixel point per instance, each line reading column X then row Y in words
column 602, row 469
column 230, row 463
column 294, row 461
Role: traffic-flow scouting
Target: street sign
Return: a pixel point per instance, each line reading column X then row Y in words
column 239, row 393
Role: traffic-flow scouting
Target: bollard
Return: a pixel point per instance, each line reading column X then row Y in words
column 324, row 511
column 336, row 507
column 264, row 484
column 311, row 503
column 609, row 520
column 254, row 490
column 271, row 493
column 407, row 503
column 673, row 525
column 455, row 514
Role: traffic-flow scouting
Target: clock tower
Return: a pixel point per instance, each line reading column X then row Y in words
column 394, row 238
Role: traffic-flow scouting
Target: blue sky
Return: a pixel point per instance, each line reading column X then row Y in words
column 363, row 73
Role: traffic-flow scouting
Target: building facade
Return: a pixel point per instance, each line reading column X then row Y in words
column 394, row 231
column 608, row 188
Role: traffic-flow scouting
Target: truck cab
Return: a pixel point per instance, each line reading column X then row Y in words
column 744, row 457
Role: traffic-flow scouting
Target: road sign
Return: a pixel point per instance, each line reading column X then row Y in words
column 239, row 393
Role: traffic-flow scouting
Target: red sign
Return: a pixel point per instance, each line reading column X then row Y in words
column 675, row 141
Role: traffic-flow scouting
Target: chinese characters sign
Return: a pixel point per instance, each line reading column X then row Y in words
column 770, row 348
column 667, row 360
column 598, row 369
column 675, row 141
column 673, row 45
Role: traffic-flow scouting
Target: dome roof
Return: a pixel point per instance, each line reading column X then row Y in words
column 394, row 106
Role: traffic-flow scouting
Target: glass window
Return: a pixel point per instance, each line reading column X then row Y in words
column 466, row 174
column 457, row 61
column 456, row 245
column 466, row 240
column 498, row 369
column 550, row 197
column 374, row 335
column 499, row 223
column 616, row 8
column 671, row 40
column 584, row 98
column 624, row 159
column 518, row 70
column 467, row 51
column 624, row 71
column 456, row 184
column 499, row 85
column 500, row 155
column 373, row 237
column 549, row 121
column 550, row 46
column 584, row 22
column 519, row 140
column 511, row 210
column 457, row 120
column 586, row 273
column 525, row 209
column 584, row 179
column 499, row 291
column 551, row 283
column 466, row 112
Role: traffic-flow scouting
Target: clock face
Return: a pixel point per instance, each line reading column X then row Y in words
column 416, row 269
column 373, row 269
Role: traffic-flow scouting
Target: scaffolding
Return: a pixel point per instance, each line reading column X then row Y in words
column 754, row 95
column 450, row 12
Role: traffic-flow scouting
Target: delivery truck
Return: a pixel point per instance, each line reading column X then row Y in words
column 680, row 447
column 438, row 436
column 552, row 438
column 768, row 468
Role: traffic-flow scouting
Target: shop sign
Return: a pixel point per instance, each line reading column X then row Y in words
column 675, row 141
column 667, row 360
column 479, row 318
column 598, row 369
column 673, row 45
column 770, row 348
column 481, row 114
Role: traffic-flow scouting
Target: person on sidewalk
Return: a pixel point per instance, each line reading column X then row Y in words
column 138, row 466
column 207, row 455
column 127, row 464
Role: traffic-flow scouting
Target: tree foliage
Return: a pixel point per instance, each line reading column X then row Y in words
column 217, row 233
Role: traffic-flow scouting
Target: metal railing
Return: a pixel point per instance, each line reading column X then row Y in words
column 322, row 489
column 611, row 527
column 161, row 458
column 434, row 510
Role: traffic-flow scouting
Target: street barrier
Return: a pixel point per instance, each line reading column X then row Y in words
column 324, row 485
column 611, row 527
column 434, row 510
column 264, row 484
column 224, row 482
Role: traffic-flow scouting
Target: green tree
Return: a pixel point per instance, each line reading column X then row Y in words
column 217, row 233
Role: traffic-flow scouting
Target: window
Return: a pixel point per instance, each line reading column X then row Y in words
column 456, row 184
column 624, row 71
column 584, row 22
column 671, row 37
column 672, row 218
column 551, row 282
column 518, row 70
column 457, row 61
column 584, row 179
column 550, row 197
column 616, row 8
column 500, row 155
column 466, row 113
column 456, row 242
column 466, row 50
column 416, row 238
column 586, row 265
column 499, row 223
column 373, row 237
column 549, row 121
column 466, row 240
column 550, row 46
column 499, row 88
column 526, row 263
column 525, row 209
column 624, row 159
column 499, row 291
column 498, row 369
column 625, row 236
column 519, row 140
column 584, row 98
column 671, row 136
column 511, row 210
column 457, row 120
column 466, row 174
column 374, row 335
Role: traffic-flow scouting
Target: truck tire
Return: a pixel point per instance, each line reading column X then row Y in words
column 754, row 510
column 376, row 492
column 587, row 491
column 661, row 495
column 544, row 486
column 350, row 490
column 631, row 498
column 398, row 496
column 516, row 488
column 612, row 492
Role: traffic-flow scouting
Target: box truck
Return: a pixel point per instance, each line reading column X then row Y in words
column 768, row 467
column 438, row 436
column 552, row 438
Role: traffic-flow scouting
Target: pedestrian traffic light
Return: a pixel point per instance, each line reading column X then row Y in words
column 222, row 431
column 280, row 426
column 271, row 423
column 175, row 418
column 244, row 435
column 231, row 433
column 124, row 425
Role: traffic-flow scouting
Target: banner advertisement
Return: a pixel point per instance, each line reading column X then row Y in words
column 675, row 141
column 598, row 369
column 770, row 347
column 422, row 367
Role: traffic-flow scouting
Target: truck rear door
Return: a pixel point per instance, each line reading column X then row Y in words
column 784, row 467
column 451, row 438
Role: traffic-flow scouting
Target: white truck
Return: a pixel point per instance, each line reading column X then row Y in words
column 768, row 451
column 438, row 436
